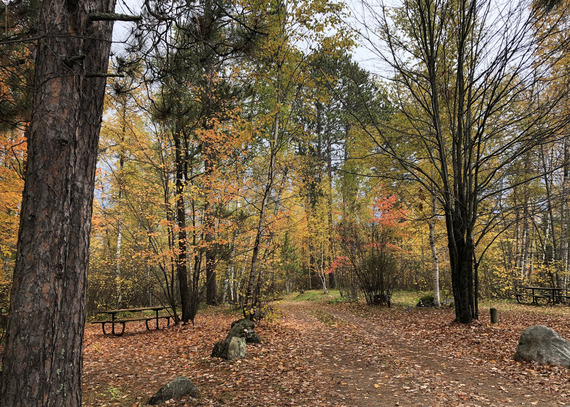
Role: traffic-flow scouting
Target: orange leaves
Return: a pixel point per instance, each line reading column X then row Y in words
column 12, row 157
column 388, row 212
column 339, row 262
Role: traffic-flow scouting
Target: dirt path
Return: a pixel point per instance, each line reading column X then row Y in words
column 374, row 364
column 321, row 355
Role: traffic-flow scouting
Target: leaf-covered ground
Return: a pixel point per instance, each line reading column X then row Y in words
column 320, row 354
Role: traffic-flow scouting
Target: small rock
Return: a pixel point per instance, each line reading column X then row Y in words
column 181, row 386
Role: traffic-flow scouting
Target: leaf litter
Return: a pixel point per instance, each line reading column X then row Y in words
column 318, row 354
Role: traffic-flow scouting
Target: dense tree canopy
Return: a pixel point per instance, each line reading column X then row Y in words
column 245, row 152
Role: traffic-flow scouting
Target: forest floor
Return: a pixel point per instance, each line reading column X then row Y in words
column 320, row 354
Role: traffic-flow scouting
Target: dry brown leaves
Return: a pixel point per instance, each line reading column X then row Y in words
column 331, row 355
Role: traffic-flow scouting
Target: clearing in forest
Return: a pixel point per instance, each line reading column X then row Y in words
column 321, row 354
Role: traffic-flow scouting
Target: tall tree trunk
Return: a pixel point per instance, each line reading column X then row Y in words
column 168, row 270
column 251, row 299
column 331, row 240
column 210, row 235
column 564, row 216
column 211, row 283
column 210, row 159
column 461, row 255
column 118, row 273
column 42, row 358
column 230, row 271
column 182, row 253
column 120, row 179
column 525, row 255
column 198, row 255
column 321, row 269
column 548, row 184
column 434, row 253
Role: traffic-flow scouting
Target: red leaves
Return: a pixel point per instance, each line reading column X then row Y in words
column 340, row 261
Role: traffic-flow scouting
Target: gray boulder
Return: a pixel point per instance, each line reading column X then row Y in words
column 543, row 345
column 177, row 388
column 218, row 351
column 230, row 348
column 236, row 348
column 244, row 328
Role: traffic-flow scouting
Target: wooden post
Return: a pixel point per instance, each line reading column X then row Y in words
column 494, row 317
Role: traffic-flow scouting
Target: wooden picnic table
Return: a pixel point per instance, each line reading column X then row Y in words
column 122, row 321
column 548, row 294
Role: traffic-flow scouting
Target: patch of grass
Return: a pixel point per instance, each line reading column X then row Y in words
column 507, row 305
column 411, row 298
column 407, row 298
column 116, row 395
column 313, row 295
column 342, row 300
column 226, row 309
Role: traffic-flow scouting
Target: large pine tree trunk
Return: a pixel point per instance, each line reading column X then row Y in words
column 42, row 358
column 209, row 221
column 182, row 253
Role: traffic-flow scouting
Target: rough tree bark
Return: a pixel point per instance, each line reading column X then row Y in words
column 42, row 358
column 182, row 238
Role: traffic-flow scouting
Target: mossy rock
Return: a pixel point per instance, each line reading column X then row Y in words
column 177, row 388
column 426, row 301
column 244, row 328
column 229, row 349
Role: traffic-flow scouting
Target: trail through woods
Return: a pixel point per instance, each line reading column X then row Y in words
column 319, row 354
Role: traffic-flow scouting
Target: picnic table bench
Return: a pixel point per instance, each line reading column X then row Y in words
column 538, row 295
column 138, row 316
